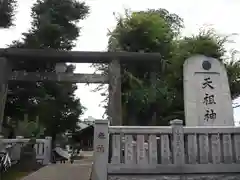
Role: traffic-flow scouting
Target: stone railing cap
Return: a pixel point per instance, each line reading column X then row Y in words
column 176, row 122
column 101, row 121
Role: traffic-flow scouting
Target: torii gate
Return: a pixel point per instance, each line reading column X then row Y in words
column 48, row 55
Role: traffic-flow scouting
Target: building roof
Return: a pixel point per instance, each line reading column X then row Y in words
column 85, row 133
column 86, row 122
column 83, row 125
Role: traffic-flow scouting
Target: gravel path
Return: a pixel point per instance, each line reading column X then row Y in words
column 80, row 169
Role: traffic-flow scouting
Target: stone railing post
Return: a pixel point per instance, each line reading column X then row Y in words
column 16, row 153
column 1, row 142
column 101, row 145
column 178, row 142
column 4, row 73
column 47, row 150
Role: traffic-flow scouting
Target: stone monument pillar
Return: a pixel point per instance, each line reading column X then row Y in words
column 207, row 99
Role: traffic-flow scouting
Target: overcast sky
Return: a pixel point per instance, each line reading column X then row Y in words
column 223, row 15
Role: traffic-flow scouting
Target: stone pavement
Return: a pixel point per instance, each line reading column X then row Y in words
column 80, row 169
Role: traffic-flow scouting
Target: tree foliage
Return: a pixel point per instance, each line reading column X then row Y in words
column 29, row 129
column 160, row 31
column 7, row 12
column 54, row 25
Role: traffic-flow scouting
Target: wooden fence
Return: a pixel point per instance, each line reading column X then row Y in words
column 42, row 147
column 173, row 151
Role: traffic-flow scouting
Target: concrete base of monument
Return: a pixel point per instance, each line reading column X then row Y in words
column 177, row 177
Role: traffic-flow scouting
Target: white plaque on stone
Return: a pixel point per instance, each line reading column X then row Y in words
column 207, row 99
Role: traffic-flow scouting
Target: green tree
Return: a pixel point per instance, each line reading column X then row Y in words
column 54, row 25
column 159, row 31
column 28, row 129
column 7, row 12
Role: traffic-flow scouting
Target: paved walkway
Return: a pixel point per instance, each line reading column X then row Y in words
column 80, row 169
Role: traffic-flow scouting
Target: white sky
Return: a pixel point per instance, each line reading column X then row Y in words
column 223, row 15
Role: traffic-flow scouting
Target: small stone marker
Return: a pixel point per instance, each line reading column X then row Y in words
column 28, row 159
column 207, row 99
